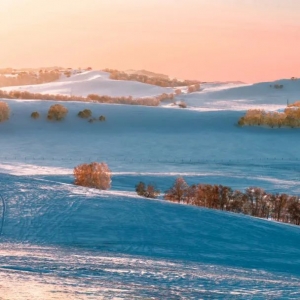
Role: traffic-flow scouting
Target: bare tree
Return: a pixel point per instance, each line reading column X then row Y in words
column 178, row 191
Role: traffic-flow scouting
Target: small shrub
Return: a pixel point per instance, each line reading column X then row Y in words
column 4, row 112
column 57, row 112
column 85, row 114
column 182, row 104
column 35, row 115
column 93, row 175
column 102, row 118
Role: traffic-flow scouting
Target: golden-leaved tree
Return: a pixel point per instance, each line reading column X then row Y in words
column 94, row 175
column 57, row 112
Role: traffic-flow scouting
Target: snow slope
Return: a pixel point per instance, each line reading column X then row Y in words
column 240, row 97
column 90, row 243
column 93, row 82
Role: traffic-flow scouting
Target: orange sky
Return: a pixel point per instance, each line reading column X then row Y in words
column 248, row 40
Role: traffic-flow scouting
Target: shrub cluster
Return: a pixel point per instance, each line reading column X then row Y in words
column 85, row 114
column 147, row 101
column 57, row 112
column 93, row 175
column 148, row 191
column 257, row 117
column 4, row 111
column 254, row 201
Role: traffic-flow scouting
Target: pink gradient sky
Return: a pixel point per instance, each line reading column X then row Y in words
column 248, row 40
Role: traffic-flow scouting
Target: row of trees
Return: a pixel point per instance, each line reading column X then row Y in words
column 14, row 77
column 254, row 201
column 257, row 117
column 154, row 80
column 147, row 101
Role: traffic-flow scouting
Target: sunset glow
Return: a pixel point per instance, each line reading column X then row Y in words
column 251, row 40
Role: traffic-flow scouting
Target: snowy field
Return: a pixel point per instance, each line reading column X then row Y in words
column 59, row 241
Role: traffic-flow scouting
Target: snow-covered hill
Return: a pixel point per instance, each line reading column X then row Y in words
column 81, row 241
column 93, row 82
column 240, row 97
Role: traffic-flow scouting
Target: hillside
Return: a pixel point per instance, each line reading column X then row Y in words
column 139, row 247
column 93, row 82
column 240, row 97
